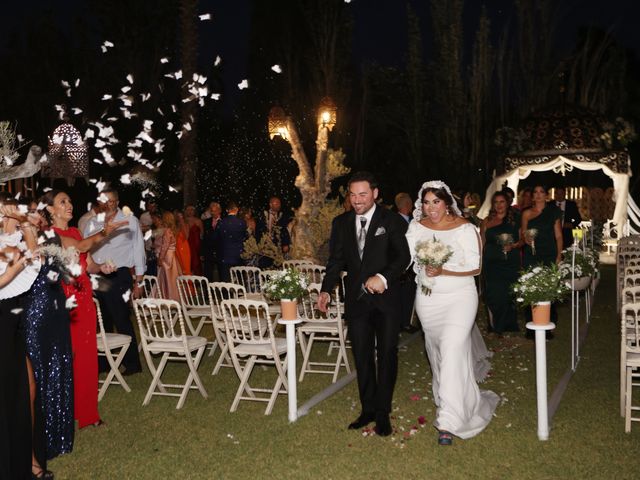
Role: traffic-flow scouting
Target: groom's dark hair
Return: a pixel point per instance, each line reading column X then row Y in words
column 363, row 177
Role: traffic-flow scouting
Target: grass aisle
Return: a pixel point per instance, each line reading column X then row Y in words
column 205, row 441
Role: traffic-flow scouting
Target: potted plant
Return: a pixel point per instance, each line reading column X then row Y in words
column 286, row 286
column 577, row 267
column 537, row 287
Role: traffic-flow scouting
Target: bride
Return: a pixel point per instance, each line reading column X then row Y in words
column 456, row 351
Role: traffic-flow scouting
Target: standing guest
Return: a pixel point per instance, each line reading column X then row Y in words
column 470, row 202
column 525, row 199
column 509, row 193
column 274, row 223
column 165, row 250
column 230, row 236
column 210, row 224
column 183, row 250
column 15, row 424
column 125, row 251
column 247, row 215
column 404, row 205
column 94, row 210
column 59, row 212
column 196, row 230
column 570, row 215
column 448, row 313
column 500, row 233
column 372, row 294
column 545, row 247
column 146, row 224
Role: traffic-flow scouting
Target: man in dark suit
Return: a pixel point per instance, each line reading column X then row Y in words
column 370, row 244
column 208, row 246
column 274, row 222
column 230, row 235
column 570, row 215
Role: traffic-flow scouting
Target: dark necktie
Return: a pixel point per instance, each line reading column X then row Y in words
column 362, row 235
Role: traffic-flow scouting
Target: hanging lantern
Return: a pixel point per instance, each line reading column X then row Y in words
column 327, row 113
column 278, row 123
column 67, row 154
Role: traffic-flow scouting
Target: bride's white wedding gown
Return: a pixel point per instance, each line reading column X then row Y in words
column 456, row 350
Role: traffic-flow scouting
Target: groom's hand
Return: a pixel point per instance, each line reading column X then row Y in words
column 323, row 301
column 374, row 284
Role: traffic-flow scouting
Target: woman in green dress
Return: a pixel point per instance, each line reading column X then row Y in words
column 542, row 234
column 500, row 233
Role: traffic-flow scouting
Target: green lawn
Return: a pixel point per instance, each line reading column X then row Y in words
column 205, row 441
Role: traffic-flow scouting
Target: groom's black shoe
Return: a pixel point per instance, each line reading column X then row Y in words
column 363, row 420
column 383, row 424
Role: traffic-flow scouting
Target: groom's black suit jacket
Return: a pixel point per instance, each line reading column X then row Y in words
column 386, row 252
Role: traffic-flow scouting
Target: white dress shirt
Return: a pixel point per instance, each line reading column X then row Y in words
column 368, row 215
column 124, row 247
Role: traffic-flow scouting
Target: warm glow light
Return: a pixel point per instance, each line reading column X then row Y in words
column 283, row 132
column 278, row 123
column 326, row 116
column 327, row 113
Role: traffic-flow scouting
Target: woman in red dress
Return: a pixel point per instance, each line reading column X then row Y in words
column 83, row 317
column 195, row 238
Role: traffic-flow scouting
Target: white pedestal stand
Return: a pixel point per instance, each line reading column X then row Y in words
column 541, row 377
column 292, row 387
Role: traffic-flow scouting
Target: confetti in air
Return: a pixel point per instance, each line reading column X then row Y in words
column 204, row 17
column 243, row 84
column 276, row 68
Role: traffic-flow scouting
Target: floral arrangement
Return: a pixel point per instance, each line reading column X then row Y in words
column 540, row 283
column 254, row 251
column 531, row 234
column 621, row 132
column 585, row 262
column 287, row 284
column 503, row 240
column 431, row 253
column 512, row 140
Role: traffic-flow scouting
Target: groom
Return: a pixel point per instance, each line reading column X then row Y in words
column 370, row 244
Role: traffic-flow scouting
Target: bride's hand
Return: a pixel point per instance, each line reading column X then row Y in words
column 433, row 271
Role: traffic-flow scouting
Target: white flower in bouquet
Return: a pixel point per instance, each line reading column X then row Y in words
column 431, row 253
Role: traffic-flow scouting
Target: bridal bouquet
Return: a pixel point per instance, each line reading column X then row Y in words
column 431, row 253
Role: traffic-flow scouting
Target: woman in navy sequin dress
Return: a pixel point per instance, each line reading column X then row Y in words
column 49, row 353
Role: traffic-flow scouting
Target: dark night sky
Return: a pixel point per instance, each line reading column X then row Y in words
column 379, row 28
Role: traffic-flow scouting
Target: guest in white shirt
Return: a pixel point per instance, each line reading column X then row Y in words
column 125, row 249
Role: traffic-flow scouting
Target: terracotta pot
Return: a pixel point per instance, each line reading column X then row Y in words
column 289, row 309
column 579, row 283
column 541, row 313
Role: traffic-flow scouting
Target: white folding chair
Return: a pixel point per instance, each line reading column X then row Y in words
column 630, row 359
column 295, row 263
column 314, row 273
column 151, row 287
column 629, row 295
column 108, row 344
column 223, row 291
column 197, row 306
column 250, row 335
column 249, row 278
column 319, row 327
column 162, row 332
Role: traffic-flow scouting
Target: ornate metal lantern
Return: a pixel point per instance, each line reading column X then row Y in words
column 327, row 113
column 67, row 154
column 278, row 123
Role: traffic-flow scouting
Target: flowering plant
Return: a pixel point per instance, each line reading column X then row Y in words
column 585, row 262
column 431, row 253
column 540, row 283
column 287, row 284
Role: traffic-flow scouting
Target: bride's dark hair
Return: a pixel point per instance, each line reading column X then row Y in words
column 443, row 195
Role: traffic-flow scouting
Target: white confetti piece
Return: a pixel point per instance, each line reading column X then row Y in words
column 49, row 233
column 276, row 68
column 126, row 211
column 125, row 179
column 103, row 198
column 204, row 17
column 71, row 303
column 53, row 276
column 126, row 295
column 106, row 96
column 171, row 189
column 217, row 61
column 164, row 60
column 16, row 311
column 100, row 217
column 243, row 84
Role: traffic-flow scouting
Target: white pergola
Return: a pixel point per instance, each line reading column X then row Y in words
column 560, row 164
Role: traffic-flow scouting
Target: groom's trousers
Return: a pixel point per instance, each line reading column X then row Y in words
column 374, row 333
